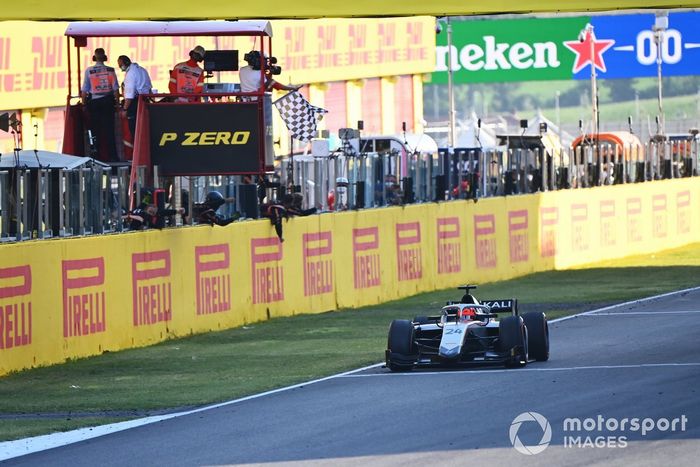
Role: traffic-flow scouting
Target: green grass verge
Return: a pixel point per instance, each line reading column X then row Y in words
column 617, row 112
column 228, row 364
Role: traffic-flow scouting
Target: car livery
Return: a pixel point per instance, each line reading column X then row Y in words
column 468, row 332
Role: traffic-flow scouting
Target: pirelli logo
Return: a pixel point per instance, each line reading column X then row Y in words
column 318, row 263
column 366, row 264
column 634, row 219
column 152, row 287
column 549, row 221
column 608, row 235
column 204, row 138
column 213, row 287
column 84, row 307
column 579, row 230
column 683, row 208
column 15, row 306
column 659, row 216
column 518, row 236
column 266, row 267
column 448, row 245
column 408, row 251
column 485, row 241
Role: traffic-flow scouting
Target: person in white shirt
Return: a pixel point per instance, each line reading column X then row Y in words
column 99, row 92
column 136, row 81
column 251, row 78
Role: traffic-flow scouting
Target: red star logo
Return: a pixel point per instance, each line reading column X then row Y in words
column 589, row 51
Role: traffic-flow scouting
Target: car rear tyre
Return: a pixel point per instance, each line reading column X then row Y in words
column 513, row 335
column 401, row 341
column 538, row 335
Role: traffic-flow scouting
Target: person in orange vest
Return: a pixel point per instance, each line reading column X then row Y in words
column 99, row 92
column 188, row 77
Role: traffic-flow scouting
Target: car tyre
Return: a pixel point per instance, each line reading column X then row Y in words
column 513, row 334
column 538, row 335
column 401, row 341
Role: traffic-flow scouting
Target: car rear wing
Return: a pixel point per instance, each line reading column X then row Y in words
column 509, row 305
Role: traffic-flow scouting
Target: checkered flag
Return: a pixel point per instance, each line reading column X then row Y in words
column 299, row 116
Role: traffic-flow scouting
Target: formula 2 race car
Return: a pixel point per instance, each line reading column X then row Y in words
column 468, row 332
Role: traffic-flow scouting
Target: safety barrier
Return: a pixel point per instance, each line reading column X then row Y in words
column 48, row 203
column 68, row 298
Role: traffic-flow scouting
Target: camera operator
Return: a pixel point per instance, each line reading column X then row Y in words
column 149, row 216
column 205, row 213
column 251, row 79
column 290, row 206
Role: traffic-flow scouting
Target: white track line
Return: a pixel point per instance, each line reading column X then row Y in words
column 525, row 370
column 21, row 447
column 635, row 313
column 632, row 302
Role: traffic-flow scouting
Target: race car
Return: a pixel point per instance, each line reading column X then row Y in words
column 468, row 332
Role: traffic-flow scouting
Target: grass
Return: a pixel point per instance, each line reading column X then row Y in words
column 681, row 107
column 228, row 364
column 680, row 111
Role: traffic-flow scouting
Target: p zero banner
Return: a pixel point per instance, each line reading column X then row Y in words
column 532, row 49
column 70, row 298
column 190, row 139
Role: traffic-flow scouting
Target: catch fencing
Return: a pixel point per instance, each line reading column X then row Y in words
column 46, row 203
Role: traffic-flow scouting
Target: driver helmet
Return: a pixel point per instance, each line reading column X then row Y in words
column 467, row 314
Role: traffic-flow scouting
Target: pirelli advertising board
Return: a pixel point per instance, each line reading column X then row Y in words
column 217, row 138
column 34, row 63
column 74, row 297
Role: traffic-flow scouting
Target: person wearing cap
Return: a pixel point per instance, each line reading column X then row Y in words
column 136, row 81
column 188, row 77
column 99, row 93
column 251, row 78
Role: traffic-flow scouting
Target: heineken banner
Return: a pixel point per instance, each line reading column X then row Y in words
column 532, row 49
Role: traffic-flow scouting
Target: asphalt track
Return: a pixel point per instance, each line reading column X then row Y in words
column 639, row 360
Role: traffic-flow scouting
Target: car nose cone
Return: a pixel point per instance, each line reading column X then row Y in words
column 449, row 352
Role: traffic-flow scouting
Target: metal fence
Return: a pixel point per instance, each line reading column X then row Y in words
column 45, row 203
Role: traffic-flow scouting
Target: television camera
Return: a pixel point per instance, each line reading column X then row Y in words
column 255, row 61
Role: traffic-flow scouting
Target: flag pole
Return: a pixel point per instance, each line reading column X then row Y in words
column 290, row 169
